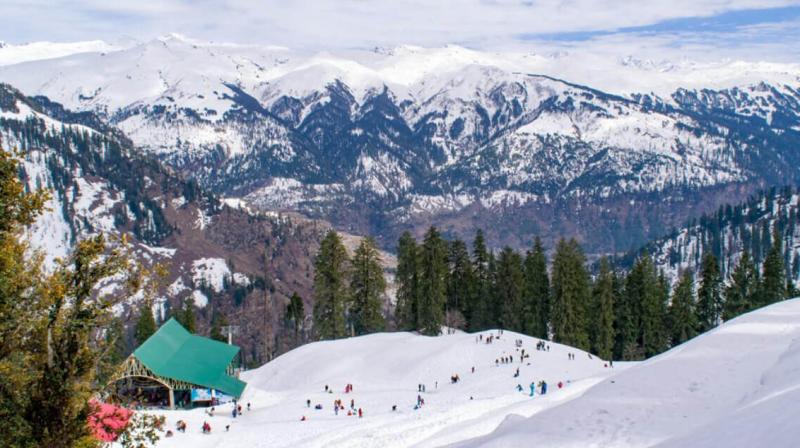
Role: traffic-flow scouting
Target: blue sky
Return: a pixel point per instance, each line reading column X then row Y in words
column 731, row 25
column 762, row 29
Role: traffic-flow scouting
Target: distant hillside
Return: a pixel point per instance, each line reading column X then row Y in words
column 732, row 229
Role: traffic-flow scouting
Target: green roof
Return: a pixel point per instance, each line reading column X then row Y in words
column 172, row 352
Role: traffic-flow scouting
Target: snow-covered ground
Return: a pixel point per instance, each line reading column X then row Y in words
column 385, row 370
column 737, row 386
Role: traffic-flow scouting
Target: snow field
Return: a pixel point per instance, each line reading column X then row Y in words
column 385, row 370
column 736, row 386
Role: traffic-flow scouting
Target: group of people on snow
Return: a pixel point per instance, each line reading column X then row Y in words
column 236, row 411
column 338, row 404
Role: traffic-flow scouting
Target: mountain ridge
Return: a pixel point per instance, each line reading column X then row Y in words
column 458, row 137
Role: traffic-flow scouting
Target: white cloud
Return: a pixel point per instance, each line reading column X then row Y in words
column 332, row 24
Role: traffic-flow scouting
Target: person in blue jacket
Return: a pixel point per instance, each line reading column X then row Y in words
column 533, row 388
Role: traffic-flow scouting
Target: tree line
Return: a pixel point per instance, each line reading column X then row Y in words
column 617, row 314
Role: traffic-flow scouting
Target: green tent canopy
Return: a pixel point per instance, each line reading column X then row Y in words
column 174, row 353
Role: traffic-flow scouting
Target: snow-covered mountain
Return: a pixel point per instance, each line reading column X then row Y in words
column 736, row 386
column 390, row 139
column 225, row 257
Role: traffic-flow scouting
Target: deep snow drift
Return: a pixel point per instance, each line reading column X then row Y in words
column 385, row 370
column 737, row 386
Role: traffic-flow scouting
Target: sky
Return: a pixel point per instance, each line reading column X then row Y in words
column 746, row 29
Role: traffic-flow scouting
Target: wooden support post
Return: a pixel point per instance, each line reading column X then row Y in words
column 171, row 398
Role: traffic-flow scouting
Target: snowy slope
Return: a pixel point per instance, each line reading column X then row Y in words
column 737, row 386
column 14, row 54
column 385, row 370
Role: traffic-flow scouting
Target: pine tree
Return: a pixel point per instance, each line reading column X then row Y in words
column 146, row 324
column 295, row 315
column 432, row 285
column 407, row 279
column 709, row 297
column 51, row 346
column 773, row 286
column 117, row 349
column 571, row 293
column 682, row 314
column 602, row 324
column 510, row 284
column 330, row 288
column 481, row 310
column 460, row 285
column 537, row 292
column 658, row 312
column 492, row 314
column 148, row 281
column 742, row 292
column 625, row 322
column 218, row 322
column 367, row 287
column 185, row 315
column 646, row 296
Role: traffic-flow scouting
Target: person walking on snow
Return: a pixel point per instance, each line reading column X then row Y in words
column 533, row 388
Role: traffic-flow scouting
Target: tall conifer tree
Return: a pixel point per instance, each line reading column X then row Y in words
column 682, row 314
column 460, row 283
column 367, row 287
column 407, row 279
column 602, row 323
column 742, row 292
column 146, row 324
column 773, row 286
column 509, row 289
column 432, row 285
column 709, row 295
column 571, row 294
column 537, row 292
column 481, row 310
column 330, row 288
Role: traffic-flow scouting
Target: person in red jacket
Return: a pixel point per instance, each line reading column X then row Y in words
column 360, row 413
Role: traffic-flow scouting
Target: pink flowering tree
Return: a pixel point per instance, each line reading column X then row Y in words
column 109, row 423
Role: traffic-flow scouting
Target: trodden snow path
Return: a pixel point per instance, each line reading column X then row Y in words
column 735, row 386
column 385, row 370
